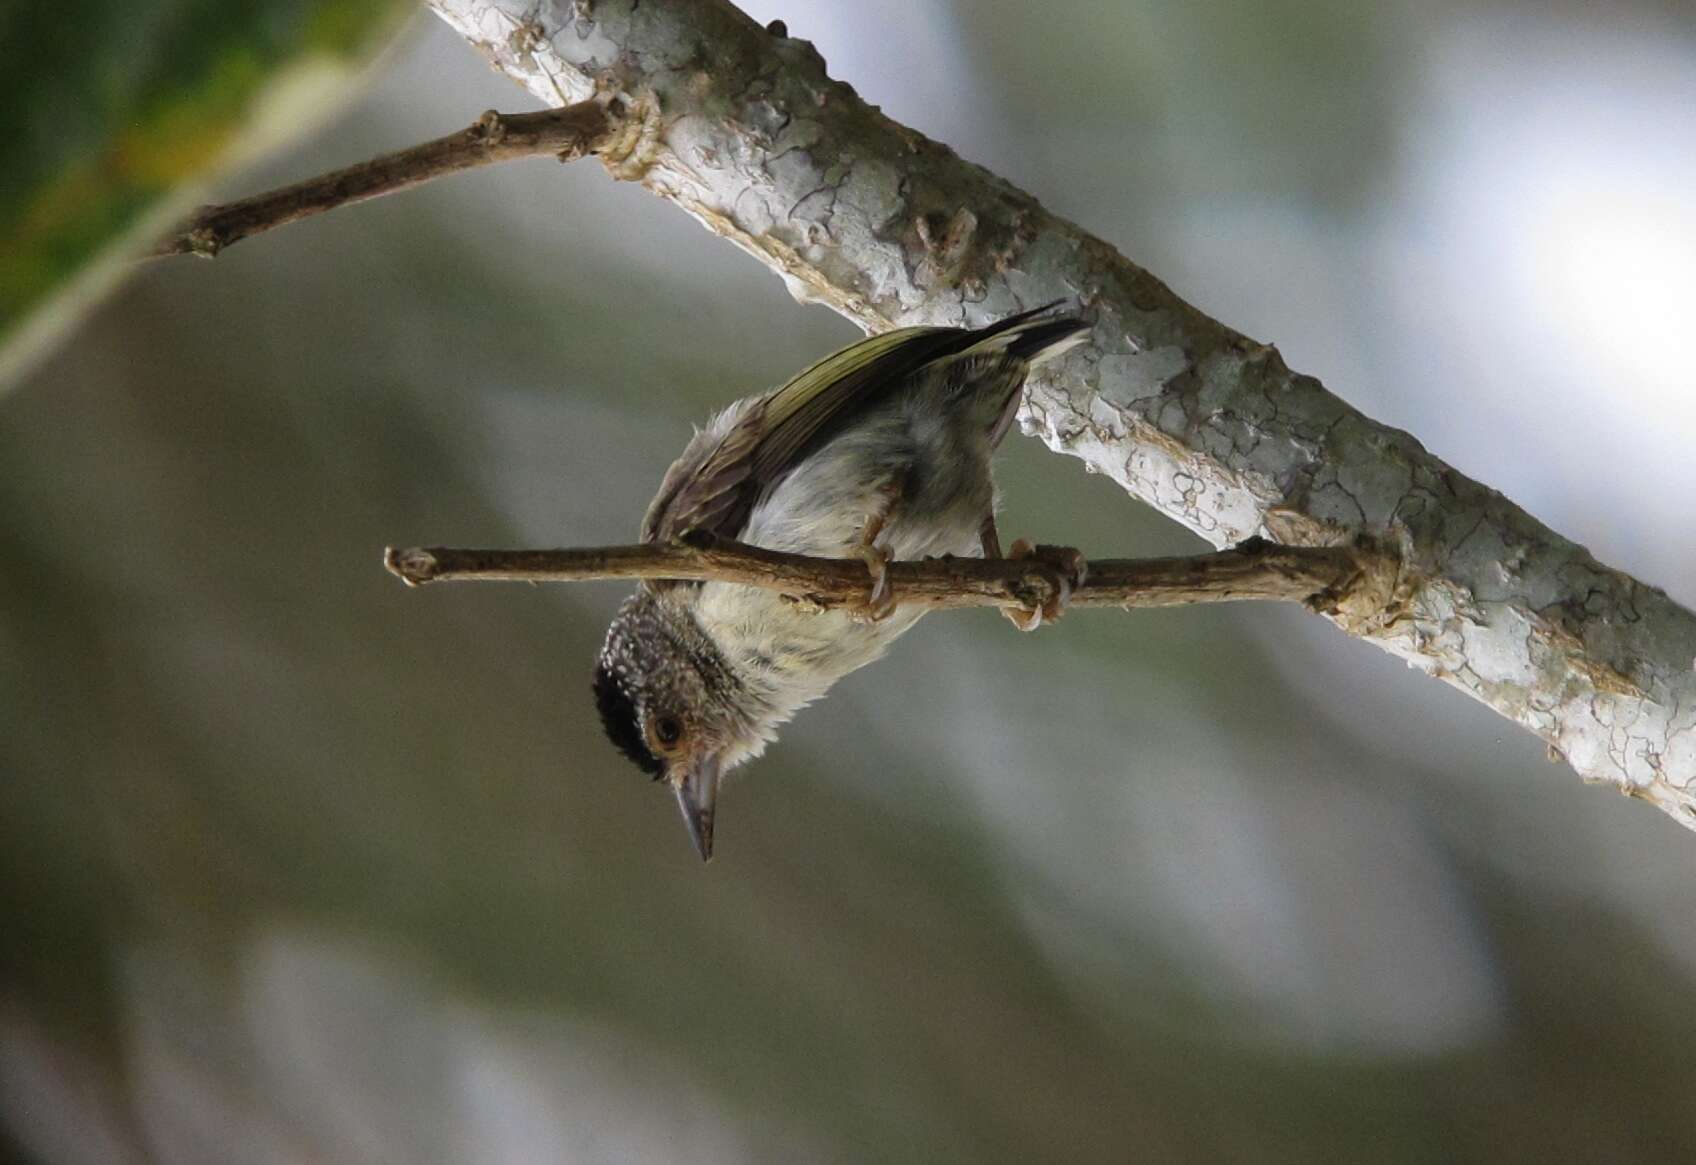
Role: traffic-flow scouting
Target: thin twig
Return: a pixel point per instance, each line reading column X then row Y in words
column 566, row 134
column 1256, row 569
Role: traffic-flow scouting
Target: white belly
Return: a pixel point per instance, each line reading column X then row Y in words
column 929, row 472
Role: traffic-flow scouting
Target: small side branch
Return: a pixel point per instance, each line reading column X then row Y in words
column 566, row 134
column 1324, row 577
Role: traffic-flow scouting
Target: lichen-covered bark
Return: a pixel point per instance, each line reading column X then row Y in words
column 745, row 131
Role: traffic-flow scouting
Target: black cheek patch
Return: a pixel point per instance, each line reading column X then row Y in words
column 618, row 720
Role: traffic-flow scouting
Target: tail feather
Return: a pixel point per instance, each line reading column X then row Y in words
column 1046, row 339
column 1034, row 335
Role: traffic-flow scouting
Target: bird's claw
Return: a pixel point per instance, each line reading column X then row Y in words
column 1067, row 570
column 881, row 602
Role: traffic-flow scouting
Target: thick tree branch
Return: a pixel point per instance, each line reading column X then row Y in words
column 741, row 127
column 1329, row 577
column 566, row 134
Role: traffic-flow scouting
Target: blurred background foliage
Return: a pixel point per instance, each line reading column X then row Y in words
column 125, row 103
column 298, row 865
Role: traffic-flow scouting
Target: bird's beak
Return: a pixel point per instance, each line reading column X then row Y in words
column 696, row 785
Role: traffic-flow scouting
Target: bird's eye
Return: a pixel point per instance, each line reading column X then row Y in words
column 668, row 730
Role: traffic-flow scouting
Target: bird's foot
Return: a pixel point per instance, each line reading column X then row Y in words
column 880, row 604
column 1066, row 571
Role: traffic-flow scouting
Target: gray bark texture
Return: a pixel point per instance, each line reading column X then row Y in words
column 742, row 128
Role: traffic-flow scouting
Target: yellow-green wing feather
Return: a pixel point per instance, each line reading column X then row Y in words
column 797, row 412
column 712, row 486
column 715, row 484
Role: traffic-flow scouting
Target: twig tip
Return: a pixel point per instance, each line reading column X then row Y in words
column 413, row 566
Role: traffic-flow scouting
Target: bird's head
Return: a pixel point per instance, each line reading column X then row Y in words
column 671, row 703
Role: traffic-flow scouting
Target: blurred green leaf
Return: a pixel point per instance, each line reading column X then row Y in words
column 113, row 106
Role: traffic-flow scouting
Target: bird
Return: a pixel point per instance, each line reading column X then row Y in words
column 881, row 451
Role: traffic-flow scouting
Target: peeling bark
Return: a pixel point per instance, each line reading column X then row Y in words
column 742, row 128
